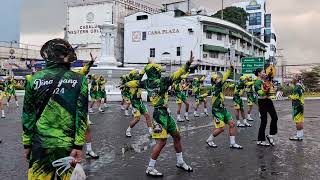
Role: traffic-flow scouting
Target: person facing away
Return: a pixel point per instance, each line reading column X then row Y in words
column 54, row 114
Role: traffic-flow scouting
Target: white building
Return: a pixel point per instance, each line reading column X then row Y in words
column 85, row 17
column 169, row 37
column 260, row 24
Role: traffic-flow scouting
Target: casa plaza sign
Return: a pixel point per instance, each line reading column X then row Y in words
column 136, row 35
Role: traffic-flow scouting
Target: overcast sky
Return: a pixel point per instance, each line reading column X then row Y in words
column 297, row 23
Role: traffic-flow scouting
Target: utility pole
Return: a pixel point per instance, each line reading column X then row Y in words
column 189, row 6
column 222, row 9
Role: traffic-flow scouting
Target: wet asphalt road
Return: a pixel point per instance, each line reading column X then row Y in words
column 287, row 160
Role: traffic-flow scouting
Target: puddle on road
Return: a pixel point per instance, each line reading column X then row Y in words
column 107, row 157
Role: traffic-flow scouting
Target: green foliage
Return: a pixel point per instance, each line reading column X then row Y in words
column 311, row 79
column 235, row 15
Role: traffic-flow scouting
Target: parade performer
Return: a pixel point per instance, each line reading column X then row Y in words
column 138, row 106
column 102, row 91
column 94, row 94
column 297, row 98
column 157, row 88
column 85, row 71
column 238, row 102
column 220, row 114
column 251, row 97
column 200, row 96
column 11, row 84
column 125, row 94
column 54, row 115
column 3, row 94
column 181, row 97
column 262, row 88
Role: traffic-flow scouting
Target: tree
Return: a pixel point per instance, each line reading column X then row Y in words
column 235, row 15
column 311, row 79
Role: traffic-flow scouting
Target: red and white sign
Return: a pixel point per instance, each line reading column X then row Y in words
column 136, row 36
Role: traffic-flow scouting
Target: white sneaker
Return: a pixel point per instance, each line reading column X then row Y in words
column 151, row 171
column 235, row 146
column 187, row 118
column 263, row 143
column 89, row 122
column 211, row 144
column 184, row 166
column 196, row 114
column 91, row 111
column 247, row 124
column 128, row 134
column 122, row 108
column 206, row 113
column 101, row 110
column 296, row 138
column 271, row 140
column 249, row 119
column 105, row 105
column 239, row 124
column 126, row 113
column 92, row 155
column 179, row 119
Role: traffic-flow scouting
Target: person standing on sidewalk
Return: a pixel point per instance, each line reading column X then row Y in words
column 262, row 89
column 54, row 117
column 297, row 98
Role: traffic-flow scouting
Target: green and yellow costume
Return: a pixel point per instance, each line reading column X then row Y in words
column 157, row 88
column 61, row 126
column 297, row 98
column 221, row 115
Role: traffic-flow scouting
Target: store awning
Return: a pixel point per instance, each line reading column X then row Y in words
column 214, row 48
column 215, row 29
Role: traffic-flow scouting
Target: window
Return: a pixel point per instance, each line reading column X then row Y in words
column 209, row 35
column 143, row 17
column 178, row 51
column 255, row 19
column 205, row 56
column 144, row 36
column 219, row 37
column 267, row 35
column 267, row 22
column 214, row 55
column 222, row 68
column 152, row 52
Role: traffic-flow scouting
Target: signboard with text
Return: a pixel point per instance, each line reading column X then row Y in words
column 250, row 64
column 84, row 21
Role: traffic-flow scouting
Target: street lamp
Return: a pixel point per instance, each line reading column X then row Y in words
column 222, row 9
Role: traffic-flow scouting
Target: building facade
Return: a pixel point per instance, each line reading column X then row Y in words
column 85, row 17
column 10, row 11
column 168, row 38
column 260, row 25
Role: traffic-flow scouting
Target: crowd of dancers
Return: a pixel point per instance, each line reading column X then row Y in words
column 56, row 122
column 257, row 89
